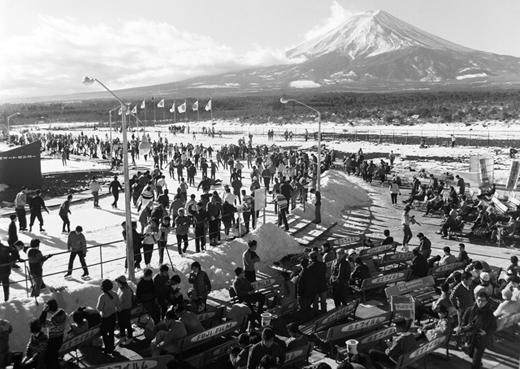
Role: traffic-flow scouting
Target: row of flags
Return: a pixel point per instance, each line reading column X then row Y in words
column 181, row 108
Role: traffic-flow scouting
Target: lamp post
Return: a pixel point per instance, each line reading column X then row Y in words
column 318, row 180
column 110, row 125
column 128, row 211
column 8, row 127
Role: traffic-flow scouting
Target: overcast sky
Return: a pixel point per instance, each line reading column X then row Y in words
column 48, row 46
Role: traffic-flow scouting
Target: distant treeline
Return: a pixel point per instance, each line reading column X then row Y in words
column 397, row 108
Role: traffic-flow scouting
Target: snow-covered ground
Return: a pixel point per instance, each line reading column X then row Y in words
column 103, row 226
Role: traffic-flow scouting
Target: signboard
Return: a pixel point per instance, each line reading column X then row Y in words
column 399, row 257
column 350, row 240
column 219, row 330
column 219, row 351
column 443, row 269
column 78, row 340
column 260, row 199
column 25, row 157
column 376, row 250
column 403, row 306
column 329, row 319
column 263, row 283
column 426, row 348
column 367, row 323
column 512, row 180
column 486, row 171
column 387, row 278
column 377, row 336
column 157, row 362
column 410, row 286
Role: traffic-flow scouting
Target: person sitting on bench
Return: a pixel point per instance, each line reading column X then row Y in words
column 402, row 343
column 439, row 327
column 434, row 204
column 361, row 272
column 245, row 290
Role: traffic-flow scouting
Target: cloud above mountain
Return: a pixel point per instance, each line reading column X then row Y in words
column 338, row 16
column 60, row 51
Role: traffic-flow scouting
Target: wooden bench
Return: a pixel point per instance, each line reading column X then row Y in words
column 442, row 271
column 349, row 242
column 377, row 250
column 198, row 339
column 268, row 287
column 421, row 352
column 508, row 322
column 513, row 204
column 422, row 290
column 205, row 358
column 295, row 358
column 353, row 329
column 329, row 319
column 282, row 310
column 76, row 342
column 399, row 258
column 209, row 318
column 158, row 362
column 501, row 208
column 381, row 281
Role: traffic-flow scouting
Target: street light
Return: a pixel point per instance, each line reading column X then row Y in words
column 8, row 126
column 128, row 211
column 285, row 101
column 110, row 125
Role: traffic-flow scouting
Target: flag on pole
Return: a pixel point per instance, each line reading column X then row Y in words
column 143, row 104
column 182, row 108
column 195, row 106
column 127, row 110
column 134, row 110
column 208, row 105
column 172, row 108
column 161, row 104
column 120, row 112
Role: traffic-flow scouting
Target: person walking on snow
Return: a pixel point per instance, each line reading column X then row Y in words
column 114, row 188
column 95, row 186
column 64, row 214
column 35, row 206
column 77, row 245
column 406, row 219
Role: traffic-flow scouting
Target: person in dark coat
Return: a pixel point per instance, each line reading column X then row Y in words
column 361, row 272
column 306, row 291
column 318, row 270
column 478, row 325
column 146, row 294
column 114, row 188
column 137, row 239
column 340, row 274
column 419, row 265
column 5, row 268
column 12, row 232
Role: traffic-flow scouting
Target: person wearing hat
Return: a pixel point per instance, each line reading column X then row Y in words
column 296, row 338
column 245, row 291
column 484, row 284
column 35, row 206
column 402, row 343
column 249, row 259
column 439, row 327
column 19, row 205
column 124, row 309
column 406, row 221
column 507, row 307
column 318, row 270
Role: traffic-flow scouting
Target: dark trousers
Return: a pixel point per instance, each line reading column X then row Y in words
column 147, row 251
column 213, row 230
column 34, row 216
column 180, row 239
column 250, row 275
column 51, row 356
column 66, row 223
column 116, row 198
column 378, row 357
column 304, row 312
column 161, row 245
column 407, row 234
column 137, row 259
column 200, row 239
column 339, row 295
column 20, row 213
column 282, row 217
column 394, row 198
column 267, row 181
column 81, row 256
column 152, row 308
column 125, row 325
column 108, row 325
column 247, row 216
column 96, row 198
column 5, row 283
column 256, row 297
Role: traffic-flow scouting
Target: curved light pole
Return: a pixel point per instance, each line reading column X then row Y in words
column 8, row 128
column 318, row 180
column 128, row 211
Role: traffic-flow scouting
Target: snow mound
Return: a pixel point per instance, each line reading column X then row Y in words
column 337, row 194
column 304, row 84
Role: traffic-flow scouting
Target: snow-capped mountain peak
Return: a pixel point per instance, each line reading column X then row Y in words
column 371, row 33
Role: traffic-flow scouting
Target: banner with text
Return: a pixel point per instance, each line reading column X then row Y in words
column 512, row 180
column 486, row 171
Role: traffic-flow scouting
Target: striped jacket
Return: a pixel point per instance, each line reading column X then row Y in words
column 56, row 324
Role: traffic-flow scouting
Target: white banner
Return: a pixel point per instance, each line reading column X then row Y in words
column 512, row 180
column 260, row 198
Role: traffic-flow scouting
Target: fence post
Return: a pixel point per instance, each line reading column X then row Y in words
column 488, row 138
column 101, row 261
column 368, row 135
column 356, row 135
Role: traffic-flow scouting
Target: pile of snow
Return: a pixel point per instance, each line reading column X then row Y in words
column 337, row 194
